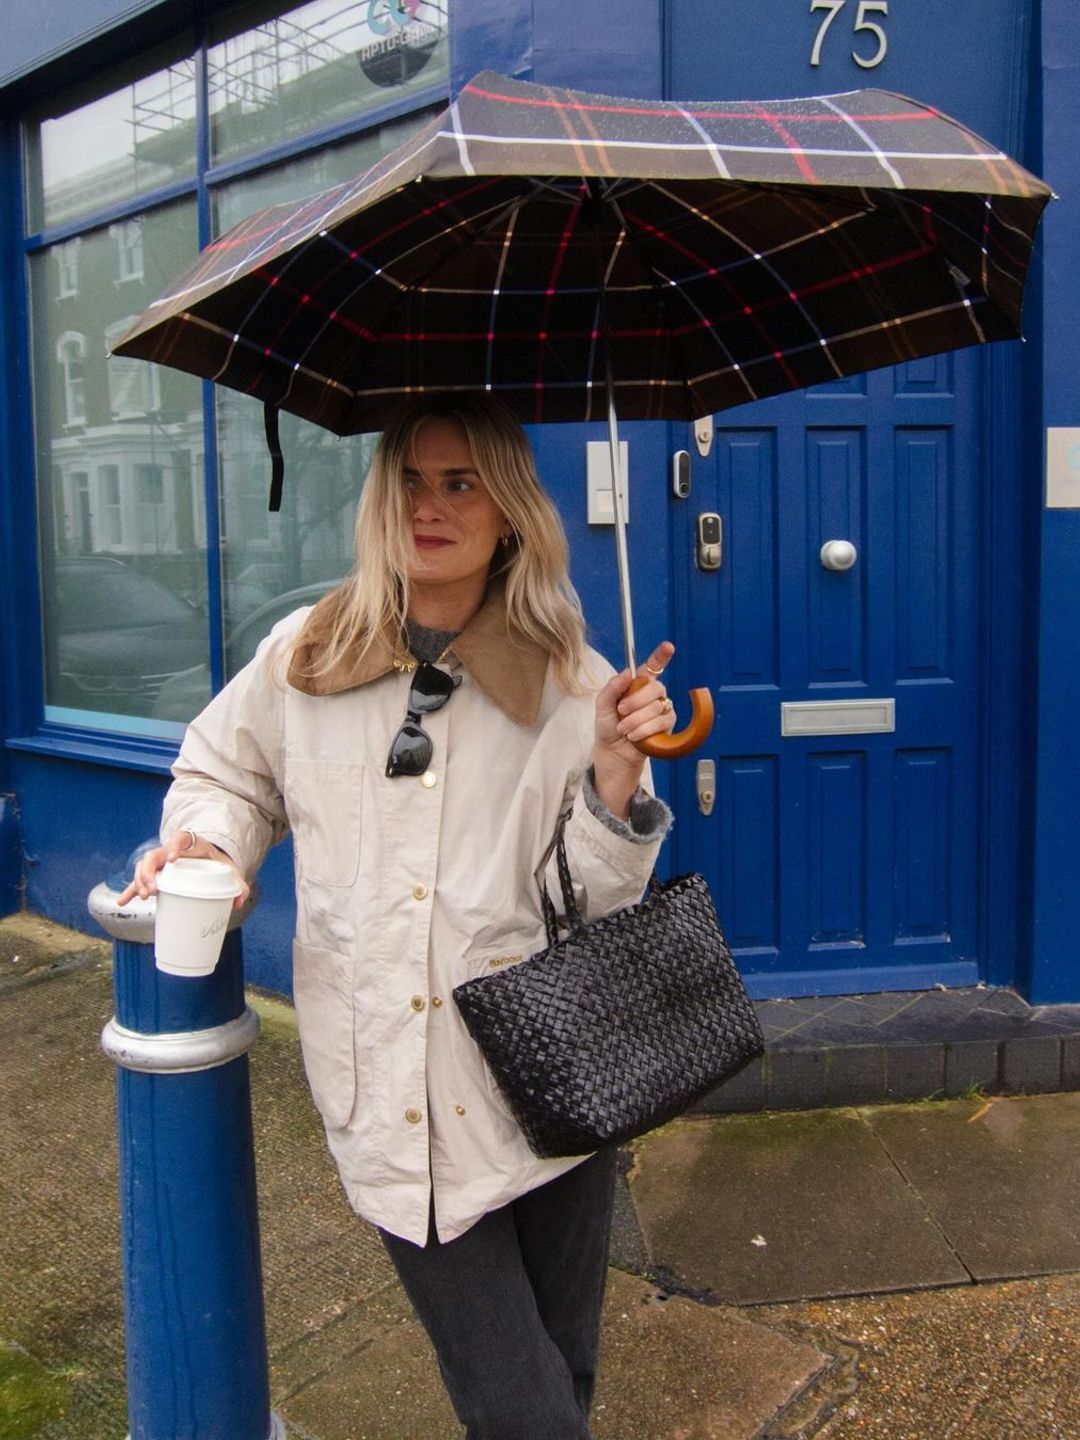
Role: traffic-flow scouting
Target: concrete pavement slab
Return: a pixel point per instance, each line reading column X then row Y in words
column 670, row 1369
column 781, row 1206
column 1000, row 1177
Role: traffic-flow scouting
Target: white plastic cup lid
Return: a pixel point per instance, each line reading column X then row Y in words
column 199, row 880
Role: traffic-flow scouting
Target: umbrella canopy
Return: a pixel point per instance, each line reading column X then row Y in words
column 580, row 255
column 729, row 250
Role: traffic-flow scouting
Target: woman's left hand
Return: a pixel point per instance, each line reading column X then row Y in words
column 622, row 719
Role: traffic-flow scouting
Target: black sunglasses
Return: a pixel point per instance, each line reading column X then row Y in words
column 410, row 753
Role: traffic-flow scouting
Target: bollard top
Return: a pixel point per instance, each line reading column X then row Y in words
column 135, row 920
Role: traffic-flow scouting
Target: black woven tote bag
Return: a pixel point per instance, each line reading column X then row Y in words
column 620, row 1025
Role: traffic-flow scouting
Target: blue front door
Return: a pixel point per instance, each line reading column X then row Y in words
column 843, row 835
column 843, row 839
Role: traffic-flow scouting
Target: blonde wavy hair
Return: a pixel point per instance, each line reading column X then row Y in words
column 541, row 603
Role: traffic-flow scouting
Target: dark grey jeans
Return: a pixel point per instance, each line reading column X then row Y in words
column 512, row 1307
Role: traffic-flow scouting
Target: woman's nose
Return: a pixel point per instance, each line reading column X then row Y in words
column 426, row 504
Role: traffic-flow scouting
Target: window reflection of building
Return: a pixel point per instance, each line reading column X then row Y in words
column 129, row 250
column 71, row 352
column 67, row 264
column 134, row 386
column 122, row 444
column 111, row 531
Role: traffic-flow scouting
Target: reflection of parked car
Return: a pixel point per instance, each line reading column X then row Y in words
column 119, row 636
column 185, row 695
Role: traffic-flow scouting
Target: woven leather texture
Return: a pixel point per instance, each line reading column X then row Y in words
column 619, row 1026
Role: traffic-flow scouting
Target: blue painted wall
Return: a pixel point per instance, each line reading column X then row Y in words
column 1054, row 775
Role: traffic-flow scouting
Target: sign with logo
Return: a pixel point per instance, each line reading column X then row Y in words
column 401, row 39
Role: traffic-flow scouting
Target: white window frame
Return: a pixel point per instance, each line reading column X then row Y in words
column 134, row 386
column 67, row 264
column 129, row 250
column 71, row 351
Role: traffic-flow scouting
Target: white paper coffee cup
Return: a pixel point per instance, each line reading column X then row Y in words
column 194, row 903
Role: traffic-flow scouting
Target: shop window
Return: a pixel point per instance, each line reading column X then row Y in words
column 318, row 64
column 123, row 447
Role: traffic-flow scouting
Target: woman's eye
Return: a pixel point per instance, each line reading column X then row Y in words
column 458, row 487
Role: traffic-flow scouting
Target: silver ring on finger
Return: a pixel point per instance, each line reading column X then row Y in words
column 194, row 841
column 649, row 668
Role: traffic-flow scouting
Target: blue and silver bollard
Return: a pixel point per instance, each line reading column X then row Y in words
column 193, row 1298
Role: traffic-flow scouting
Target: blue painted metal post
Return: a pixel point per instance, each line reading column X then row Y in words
column 193, row 1301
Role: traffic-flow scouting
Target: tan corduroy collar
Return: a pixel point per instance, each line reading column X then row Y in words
column 508, row 666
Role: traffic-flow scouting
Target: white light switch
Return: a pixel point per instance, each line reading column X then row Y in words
column 598, row 481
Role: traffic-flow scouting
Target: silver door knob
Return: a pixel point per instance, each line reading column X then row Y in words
column 838, row 555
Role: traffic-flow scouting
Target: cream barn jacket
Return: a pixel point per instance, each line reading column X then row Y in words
column 407, row 887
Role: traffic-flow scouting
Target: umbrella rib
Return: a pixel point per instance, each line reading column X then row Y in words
column 661, row 283
column 403, row 290
column 760, row 258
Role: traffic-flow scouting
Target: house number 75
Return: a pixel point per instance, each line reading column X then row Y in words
column 866, row 7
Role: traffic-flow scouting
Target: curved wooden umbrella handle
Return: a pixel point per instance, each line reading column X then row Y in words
column 670, row 747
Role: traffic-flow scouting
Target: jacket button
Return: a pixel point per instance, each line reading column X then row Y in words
column 417, row 1002
column 419, row 892
column 436, row 1002
column 429, row 779
column 413, row 1116
column 459, row 1109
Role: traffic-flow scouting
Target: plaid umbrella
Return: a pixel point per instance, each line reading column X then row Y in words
column 579, row 254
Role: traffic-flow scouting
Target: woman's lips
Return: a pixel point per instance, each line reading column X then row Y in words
column 430, row 542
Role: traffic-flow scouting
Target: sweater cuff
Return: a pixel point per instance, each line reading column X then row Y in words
column 650, row 819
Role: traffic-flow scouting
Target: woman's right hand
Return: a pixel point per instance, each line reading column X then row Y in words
column 184, row 845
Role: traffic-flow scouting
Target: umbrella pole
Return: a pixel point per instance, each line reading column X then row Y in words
column 621, row 554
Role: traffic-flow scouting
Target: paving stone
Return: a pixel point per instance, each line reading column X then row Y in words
column 796, row 1079
column 744, row 1091
column 970, row 1064
column 856, row 1076
column 1030, row 1065
column 914, row 1072
column 999, row 1177
column 816, row 1186
column 1070, row 1064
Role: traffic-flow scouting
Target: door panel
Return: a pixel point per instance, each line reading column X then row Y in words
column 841, row 861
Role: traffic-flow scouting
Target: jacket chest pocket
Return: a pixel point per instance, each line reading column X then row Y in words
column 324, row 799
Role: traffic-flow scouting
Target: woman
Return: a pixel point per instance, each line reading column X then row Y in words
column 422, row 731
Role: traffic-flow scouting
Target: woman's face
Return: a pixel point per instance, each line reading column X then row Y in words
column 456, row 525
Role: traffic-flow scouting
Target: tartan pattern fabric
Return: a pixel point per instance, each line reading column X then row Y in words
column 619, row 1026
column 744, row 249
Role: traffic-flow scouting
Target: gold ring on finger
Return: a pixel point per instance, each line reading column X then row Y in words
column 666, row 704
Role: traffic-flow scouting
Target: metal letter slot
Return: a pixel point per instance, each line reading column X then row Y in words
column 706, row 786
column 837, row 717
